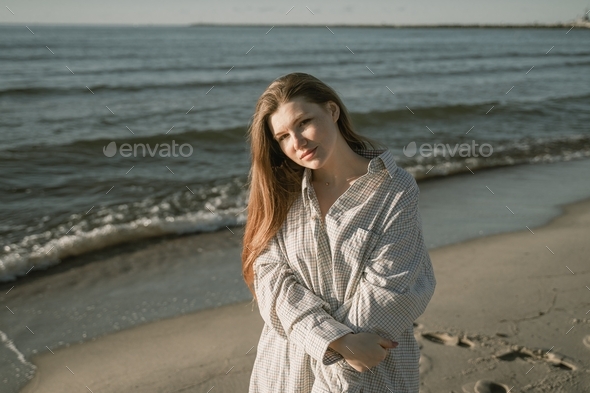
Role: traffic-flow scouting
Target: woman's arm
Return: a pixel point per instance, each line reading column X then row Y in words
column 398, row 280
column 294, row 311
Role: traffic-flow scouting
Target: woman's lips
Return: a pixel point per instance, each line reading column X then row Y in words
column 310, row 153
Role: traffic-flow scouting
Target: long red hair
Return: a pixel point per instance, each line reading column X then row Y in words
column 274, row 180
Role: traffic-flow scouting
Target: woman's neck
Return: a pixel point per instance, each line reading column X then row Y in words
column 341, row 173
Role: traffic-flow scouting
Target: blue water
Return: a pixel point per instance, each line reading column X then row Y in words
column 67, row 92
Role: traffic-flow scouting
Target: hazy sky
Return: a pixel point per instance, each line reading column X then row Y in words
column 275, row 12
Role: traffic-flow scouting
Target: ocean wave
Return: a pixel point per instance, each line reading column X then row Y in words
column 376, row 119
column 224, row 205
column 444, row 112
column 506, row 153
column 409, row 70
column 31, row 253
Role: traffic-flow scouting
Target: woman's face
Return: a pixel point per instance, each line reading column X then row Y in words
column 300, row 127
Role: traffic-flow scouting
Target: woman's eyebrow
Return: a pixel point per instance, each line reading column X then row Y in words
column 299, row 116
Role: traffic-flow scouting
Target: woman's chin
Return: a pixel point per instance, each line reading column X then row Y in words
column 311, row 165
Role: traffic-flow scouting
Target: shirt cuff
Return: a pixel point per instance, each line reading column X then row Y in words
column 331, row 357
column 321, row 336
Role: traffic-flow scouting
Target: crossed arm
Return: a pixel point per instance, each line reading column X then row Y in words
column 295, row 312
column 397, row 285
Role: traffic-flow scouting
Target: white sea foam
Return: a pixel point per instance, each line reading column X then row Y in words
column 19, row 355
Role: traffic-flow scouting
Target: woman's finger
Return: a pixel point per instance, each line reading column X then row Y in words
column 386, row 343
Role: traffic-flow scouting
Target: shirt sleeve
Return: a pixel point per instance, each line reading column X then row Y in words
column 398, row 279
column 295, row 312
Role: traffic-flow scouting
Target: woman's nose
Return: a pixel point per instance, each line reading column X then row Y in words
column 299, row 141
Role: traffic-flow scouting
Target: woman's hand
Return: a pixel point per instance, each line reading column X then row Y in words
column 363, row 350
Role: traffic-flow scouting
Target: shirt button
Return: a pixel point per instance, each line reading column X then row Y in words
column 314, row 216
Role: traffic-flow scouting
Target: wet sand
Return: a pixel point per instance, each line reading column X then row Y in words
column 511, row 308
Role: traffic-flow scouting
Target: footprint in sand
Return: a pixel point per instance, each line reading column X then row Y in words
column 484, row 386
column 586, row 341
column 554, row 358
column 561, row 361
column 448, row 339
column 510, row 355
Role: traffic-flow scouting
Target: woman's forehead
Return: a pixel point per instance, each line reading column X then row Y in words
column 295, row 107
column 291, row 111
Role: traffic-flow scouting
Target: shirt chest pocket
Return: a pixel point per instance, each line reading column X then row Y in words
column 357, row 247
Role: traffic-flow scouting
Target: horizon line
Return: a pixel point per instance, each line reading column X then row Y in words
column 576, row 22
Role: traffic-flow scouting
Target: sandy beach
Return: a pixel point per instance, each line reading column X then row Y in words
column 509, row 308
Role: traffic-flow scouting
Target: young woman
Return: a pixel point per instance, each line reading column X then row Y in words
column 333, row 250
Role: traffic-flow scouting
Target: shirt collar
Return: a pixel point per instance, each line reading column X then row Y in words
column 380, row 159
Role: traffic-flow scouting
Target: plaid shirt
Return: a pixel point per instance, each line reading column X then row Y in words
column 366, row 269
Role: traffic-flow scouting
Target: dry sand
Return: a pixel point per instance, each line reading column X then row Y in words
column 510, row 308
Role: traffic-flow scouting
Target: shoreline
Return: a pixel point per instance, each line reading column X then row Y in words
column 503, row 304
column 70, row 261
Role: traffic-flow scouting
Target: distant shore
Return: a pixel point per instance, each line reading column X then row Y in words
column 582, row 24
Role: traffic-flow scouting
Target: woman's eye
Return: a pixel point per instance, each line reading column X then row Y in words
column 300, row 124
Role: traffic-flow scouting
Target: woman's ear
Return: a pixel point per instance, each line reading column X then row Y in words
column 334, row 110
